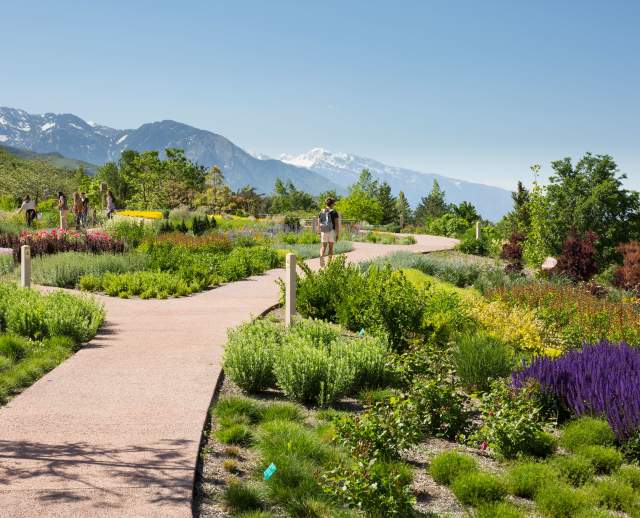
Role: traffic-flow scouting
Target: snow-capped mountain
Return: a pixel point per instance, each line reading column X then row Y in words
column 344, row 169
column 73, row 137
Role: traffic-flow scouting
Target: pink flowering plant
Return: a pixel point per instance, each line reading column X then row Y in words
column 47, row 242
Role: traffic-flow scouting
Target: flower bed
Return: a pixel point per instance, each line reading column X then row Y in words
column 145, row 214
column 601, row 380
column 45, row 242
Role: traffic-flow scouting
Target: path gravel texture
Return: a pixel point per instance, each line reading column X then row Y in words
column 115, row 429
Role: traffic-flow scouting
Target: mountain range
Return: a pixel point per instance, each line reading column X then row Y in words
column 316, row 171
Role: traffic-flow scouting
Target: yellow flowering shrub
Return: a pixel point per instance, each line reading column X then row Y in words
column 517, row 326
column 147, row 214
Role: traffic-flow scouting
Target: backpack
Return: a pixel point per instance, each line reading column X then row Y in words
column 326, row 221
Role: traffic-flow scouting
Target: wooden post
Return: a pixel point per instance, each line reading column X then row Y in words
column 25, row 266
column 477, row 230
column 290, row 292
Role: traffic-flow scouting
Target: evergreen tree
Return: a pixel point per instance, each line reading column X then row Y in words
column 367, row 184
column 403, row 210
column 521, row 209
column 431, row 206
column 388, row 203
column 466, row 211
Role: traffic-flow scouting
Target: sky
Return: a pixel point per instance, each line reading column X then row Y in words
column 476, row 90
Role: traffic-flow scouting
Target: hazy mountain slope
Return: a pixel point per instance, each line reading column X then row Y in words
column 344, row 169
column 73, row 137
column 55, row 159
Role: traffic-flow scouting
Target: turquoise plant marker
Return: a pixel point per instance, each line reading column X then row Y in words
column 361, row 333
column 269, row 471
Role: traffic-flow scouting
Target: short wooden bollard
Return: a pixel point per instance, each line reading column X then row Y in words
column 290, row 290
column 25, row 266
column 477, row 230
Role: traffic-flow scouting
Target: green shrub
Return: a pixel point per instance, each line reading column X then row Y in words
column 231, row 406
column 13, row 348
column 441, row 408
column 446, row 467
column 314, row 332
column 239, row 434
column 250, row 352
column 33, row 315
column 282, row 411
column 310, row 375
column 240, row 497
column 498, row 510
column 513, row 423
column 615, row 495
column 382, row 431
column 629, row 473
column 575, row 469
column 587, row 431
column 379, row 488
column 559, row 501
column 525, row 478
column 476, row 488
column 605, row 459
column 65, row 270
column 368, row 358
column 481, row 357
column 370, row 397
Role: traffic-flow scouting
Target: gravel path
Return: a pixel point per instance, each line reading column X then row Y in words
column 115, row 429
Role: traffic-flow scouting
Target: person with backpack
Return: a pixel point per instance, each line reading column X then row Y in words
column 329, row 227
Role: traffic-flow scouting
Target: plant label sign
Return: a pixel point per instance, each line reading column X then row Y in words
column 269, row 471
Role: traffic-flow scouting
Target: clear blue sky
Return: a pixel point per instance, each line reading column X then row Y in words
column 473, row 89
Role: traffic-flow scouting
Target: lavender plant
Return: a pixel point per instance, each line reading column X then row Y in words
column 599, row 380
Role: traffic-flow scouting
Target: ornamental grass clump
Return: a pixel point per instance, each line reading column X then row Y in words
column 446, row 467
column 601, row 380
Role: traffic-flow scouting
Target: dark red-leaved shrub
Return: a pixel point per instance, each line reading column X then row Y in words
column 57, row 241
column 628, row 275
column 599, row 380
column 512, row 252
column 578, row 259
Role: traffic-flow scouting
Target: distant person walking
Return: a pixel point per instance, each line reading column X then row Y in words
column 84, row 199
column 63, row 208
column 29, row 208
column 329, row 227
column 77, row 210
column 111, row 205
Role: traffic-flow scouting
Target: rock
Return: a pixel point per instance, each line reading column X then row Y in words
column 549, row 263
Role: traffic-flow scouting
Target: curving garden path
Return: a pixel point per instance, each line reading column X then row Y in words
column 115, row 429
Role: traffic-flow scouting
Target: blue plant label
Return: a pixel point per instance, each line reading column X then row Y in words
column 269, row 471
column 361, row 333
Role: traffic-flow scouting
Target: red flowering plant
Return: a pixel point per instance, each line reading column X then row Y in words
column 43, row 242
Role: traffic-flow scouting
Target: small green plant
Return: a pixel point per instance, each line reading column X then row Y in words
column 605, row 459
column 560, row 501
column 498, row 510
column 587, row 431
column 232, row 406
column 513, row 422
column 239, row 497
column 480, row 358
column 239, row 434
column 249, row 354
column 629, row 473
column 383, row 431
column 477, row 488
column 230, row 466
column 446, row 467
column 574, row 469
column 283, row 411
column 524, row 479
column 380, row 488
column 615, row 495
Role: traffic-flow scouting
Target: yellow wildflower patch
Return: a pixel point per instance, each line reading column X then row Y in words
column 146, row 214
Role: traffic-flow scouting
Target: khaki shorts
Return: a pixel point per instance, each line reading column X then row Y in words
column 328, row 237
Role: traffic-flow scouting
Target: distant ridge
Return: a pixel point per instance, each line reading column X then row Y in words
column 317, row 171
